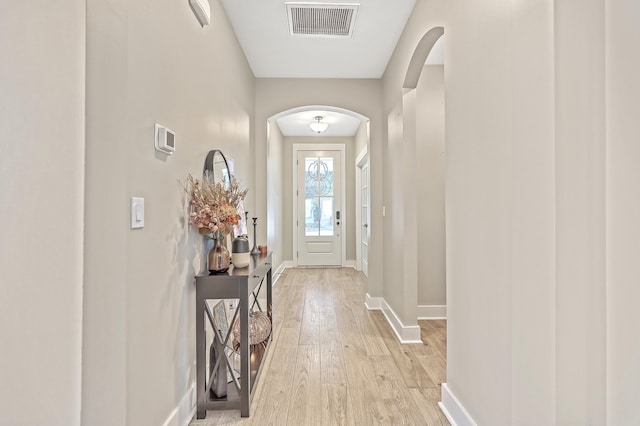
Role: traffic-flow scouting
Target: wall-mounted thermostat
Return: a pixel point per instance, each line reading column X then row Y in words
column 165, row 139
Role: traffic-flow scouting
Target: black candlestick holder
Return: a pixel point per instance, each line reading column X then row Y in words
column 255, row 250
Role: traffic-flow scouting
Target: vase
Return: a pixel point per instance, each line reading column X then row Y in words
column 240, row 256
column 218, row 255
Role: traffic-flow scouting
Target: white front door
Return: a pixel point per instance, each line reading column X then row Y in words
column 364, row 216
column 319, row 195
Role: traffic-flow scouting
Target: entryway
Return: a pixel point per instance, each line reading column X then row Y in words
column 318, row 199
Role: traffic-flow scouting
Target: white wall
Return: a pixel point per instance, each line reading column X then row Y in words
column 41, row 210
column 149, row 62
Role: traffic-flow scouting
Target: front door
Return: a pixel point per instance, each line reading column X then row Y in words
column 320, row 217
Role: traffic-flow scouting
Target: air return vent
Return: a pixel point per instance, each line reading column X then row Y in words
column 321, row 19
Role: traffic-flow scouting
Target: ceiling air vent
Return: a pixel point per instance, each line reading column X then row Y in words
column 321, row 19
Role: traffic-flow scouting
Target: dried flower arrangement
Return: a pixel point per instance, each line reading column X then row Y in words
column 214, row 206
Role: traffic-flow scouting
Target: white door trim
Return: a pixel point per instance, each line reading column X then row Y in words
column 361, row 158
column 343, row 198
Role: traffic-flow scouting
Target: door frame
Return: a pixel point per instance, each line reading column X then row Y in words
column 361, row 159
column 343, row 196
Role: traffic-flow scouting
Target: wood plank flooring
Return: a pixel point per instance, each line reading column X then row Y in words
column 333, row 362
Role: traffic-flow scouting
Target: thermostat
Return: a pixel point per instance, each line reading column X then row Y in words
column 165, row 139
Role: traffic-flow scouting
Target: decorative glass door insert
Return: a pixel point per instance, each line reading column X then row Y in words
column 319, row 195
column 319, row 192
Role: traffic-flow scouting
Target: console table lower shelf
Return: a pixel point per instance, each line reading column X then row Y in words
column 244, row 285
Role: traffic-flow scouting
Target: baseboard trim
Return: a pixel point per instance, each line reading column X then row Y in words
column 373, row 303
column 406, row 334
column 286, row 264
column 278, row 272
column 453, row 409
column 349, row 264
column 432, row 312
column 184, row 412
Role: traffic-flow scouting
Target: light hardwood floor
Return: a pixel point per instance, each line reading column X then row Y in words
column 333, row 362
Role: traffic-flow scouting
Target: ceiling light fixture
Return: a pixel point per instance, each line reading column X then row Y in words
column 318, row 126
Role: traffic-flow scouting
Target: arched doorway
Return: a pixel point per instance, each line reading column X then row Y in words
column 423, row 110
column 290, row 129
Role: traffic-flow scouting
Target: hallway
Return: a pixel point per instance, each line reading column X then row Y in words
column 334, row 362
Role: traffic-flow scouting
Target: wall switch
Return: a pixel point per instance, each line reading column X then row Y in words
column 383, row 211
column 137, row 212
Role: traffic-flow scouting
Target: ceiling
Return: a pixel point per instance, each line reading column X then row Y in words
column 262, row 28
column 263, row 32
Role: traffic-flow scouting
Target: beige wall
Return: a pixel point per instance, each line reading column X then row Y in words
column 277, row 227
column 623, row 227
column 361, row 138
column 430, row 190
column 151, row 62
column 539, row 204
column 41, row 210
column 362, row 96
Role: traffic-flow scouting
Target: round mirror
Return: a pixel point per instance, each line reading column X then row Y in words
column 216, row 169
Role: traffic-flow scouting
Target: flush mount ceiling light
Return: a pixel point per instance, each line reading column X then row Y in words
column 318, row 126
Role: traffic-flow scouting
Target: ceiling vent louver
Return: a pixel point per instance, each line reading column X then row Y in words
column 333, row 20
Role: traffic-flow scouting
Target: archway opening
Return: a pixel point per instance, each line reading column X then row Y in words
column 290, row 128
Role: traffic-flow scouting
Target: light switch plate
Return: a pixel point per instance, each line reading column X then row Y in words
column 137, row 212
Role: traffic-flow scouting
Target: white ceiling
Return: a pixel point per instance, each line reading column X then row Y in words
column 341, row 122
column 263, row 32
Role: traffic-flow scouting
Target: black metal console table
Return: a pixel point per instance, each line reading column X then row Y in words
column 242, row 284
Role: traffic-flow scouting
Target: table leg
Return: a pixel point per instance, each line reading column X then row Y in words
column 245, row 356
column 201, row 373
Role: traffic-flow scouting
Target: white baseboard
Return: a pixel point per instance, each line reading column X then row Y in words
column 184, row 412
column 291, row 264
column 407, row 334
column 276, row 274
column 286, row 264
column 453, row 409
column 432, row 312
column 373, row 303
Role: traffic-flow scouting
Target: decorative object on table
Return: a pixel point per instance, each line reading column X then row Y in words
column 218, row 259
column 240, row 253
column 218, row 368
column 214, row 211
column 259, row 328
column 262, row 249
column 255, row 250
column 220, row 319
column 241, row 227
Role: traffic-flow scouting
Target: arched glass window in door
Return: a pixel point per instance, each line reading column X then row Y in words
column 319, row 196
